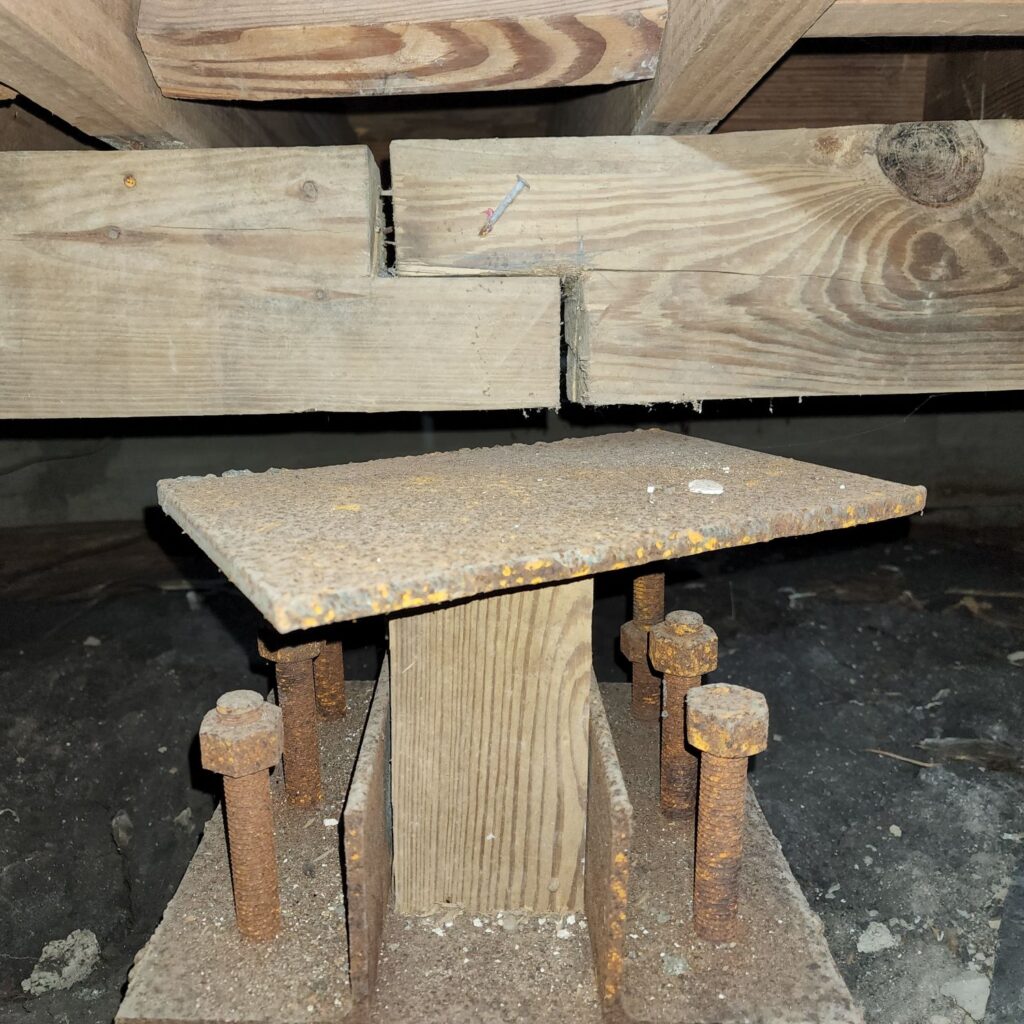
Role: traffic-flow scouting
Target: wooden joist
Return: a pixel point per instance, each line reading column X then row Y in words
column 236, row 50
column 80, row 59
column 241, row 281
column 844, row 260
column 855, row 18
column 712, row 54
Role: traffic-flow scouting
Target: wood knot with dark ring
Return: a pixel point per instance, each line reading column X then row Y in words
column 935, row 163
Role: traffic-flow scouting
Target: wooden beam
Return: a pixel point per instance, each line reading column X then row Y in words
column 22, row 128
column 81, row 60
column 7, row 93
column 489, row 740
column 833, row 261
column 855, row 18
column 823, row 90
column 976, row 81
column 239, row 281
column 231, row 49
column 712, row 54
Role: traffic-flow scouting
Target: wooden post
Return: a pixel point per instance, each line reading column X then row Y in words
column 490, row 705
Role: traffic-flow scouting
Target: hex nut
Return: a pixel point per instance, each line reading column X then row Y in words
column 683, row 647
column 728, row 721
column 277, row 647
column 236, row 748
column 633, row 641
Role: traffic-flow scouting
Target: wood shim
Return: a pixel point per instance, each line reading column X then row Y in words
column 239, row 281
column 237, row 50
column 367, row 825
column 856, row 18
column 609, row 834
column 490, row 718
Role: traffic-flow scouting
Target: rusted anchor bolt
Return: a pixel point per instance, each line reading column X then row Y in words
column 648, row 608
column 296, row 694
column 241, row 739
column 684, row 649
column 728, row 724
column 329, row 676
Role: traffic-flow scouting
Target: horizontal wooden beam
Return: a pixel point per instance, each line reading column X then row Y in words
column 853, row 18
column 236, row 50
column 823, row 90
column 81, row 60
column 840, row 260
column 241, row 281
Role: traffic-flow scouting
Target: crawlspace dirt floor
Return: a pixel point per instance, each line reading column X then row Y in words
column 114, row 639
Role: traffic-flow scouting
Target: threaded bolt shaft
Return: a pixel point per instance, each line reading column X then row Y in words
column 679, row 767
column 329, row 673
column 720, row 821
column 253, row 856
column 297, row 697
column 648, row 609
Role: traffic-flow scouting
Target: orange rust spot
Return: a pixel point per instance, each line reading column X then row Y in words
column 694, row 536
column 620, row 565
column 347, row 508
column 536, row 580
column 639, row 552
column 437, row 595
column 506, row 570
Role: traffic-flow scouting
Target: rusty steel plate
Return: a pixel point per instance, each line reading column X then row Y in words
column 313, row 546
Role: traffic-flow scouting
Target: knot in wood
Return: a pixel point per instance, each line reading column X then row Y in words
column 934, row 164
column 727, row 721
column 690, row 654
column 237, row 747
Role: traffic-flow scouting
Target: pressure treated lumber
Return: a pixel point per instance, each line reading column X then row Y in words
column 848, row 18
column 238, row 50
column 826, row 89
column 239, row 281
column 81, row 60
column 305, row 546
column 489, row 751
column 712, row 54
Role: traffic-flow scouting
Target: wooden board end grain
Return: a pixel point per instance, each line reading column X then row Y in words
column 367, row 824
column 490, row 719
column 609, row 835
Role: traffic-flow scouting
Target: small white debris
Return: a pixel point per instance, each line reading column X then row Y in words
column 330, row 822
column 92, row 641
column 1016, row 658
column 563, row 933
column 651, row 488
column 477, row 923
column 832, row 890
column 705, row 487
column 868, row 860
column 725, row 469
column 673, row 965
column 571, row 919
column 438, row 931
column 969, row 992
column 193, row 600
column 1013, row 837
column 895, row 831
column 490, row 837
column 64, row 962
column 875, row 938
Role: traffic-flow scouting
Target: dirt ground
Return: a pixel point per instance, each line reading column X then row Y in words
column 114, row 641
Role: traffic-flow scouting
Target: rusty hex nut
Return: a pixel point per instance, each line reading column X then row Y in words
column 727, row 721
column 683, row 646
column 242, row 735
column 275, row 647
column 633, row 642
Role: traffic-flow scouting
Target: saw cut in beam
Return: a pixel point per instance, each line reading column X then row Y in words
column 241, row 281
column 852, row 18
column 713, row 53
column 80, row 59
column 237, row 50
